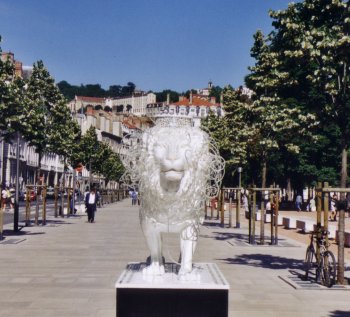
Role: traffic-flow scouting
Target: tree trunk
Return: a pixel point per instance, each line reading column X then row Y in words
column 344, row 166
column 289, row 189
column 341, row 224
column 62, row 189
column 263, row 175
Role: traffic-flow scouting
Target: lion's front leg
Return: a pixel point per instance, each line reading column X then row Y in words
column 154, row 242
column 188, row 246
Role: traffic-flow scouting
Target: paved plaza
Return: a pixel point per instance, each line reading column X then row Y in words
column 69, row 268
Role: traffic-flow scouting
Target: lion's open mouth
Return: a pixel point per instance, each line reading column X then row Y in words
column 172, row 175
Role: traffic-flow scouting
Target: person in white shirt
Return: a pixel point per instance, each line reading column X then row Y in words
column 3, row 198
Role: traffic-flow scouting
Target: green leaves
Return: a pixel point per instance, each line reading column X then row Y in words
column 11, row 98
column 313, row 38
column 103, row 160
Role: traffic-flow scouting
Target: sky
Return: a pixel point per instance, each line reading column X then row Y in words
column 156, row 44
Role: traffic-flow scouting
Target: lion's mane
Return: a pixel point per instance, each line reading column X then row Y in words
column 201, row 179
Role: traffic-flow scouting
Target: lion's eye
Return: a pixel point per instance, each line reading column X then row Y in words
column 160, row 147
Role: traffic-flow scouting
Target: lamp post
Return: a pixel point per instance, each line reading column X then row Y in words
column 16, row 207
column 238, row 210
column 239, row 170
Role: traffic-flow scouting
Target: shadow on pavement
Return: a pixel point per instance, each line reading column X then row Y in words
column 23, row 232
column 241, row 237
column 212, row 224
column 11, row 233
column 229, row 235
column 266, row 261
column 58, row 222
column 339, row 313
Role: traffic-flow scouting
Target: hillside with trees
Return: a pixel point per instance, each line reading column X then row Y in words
column 95, row 90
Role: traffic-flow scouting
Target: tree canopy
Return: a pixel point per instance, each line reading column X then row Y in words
column 312, row 38
column 95, row 90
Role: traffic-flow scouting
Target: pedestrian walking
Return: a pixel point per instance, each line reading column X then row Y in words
column 312, row 204
column 245, row 202
column 12, row 193
column 268, row 207
column 298, row 202
column 6, row 197
column 134, row 197
column 91, row 204
column 72, row 205
column 334, row 209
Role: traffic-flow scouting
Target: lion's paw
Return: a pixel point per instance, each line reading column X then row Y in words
column 189, row 275
column 153, row 269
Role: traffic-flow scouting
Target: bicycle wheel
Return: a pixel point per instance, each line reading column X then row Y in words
column 329, row 269
column 309, row 260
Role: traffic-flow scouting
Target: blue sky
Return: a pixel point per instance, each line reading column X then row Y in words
column 157, row 44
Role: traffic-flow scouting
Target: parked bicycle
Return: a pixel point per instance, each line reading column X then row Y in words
column 324, row 263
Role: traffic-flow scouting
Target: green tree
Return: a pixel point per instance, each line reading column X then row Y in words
column 41, row 97
column 128, row 90
column 107, row 163
column 314, row 36
column 231, row 132
column 216, row 92
column 162, row 96
column 97, row 156
column 87, row 149
column 94, row 90
column 63, row 132
column 11, row 99
column 67, row 90
column 188, row 93
column 277, row 122
column 114, row 91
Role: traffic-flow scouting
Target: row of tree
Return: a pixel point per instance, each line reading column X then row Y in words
column 95, row 90
column 297, row 125
column 37, row 110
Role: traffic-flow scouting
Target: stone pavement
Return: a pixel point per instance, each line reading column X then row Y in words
column 69, row 268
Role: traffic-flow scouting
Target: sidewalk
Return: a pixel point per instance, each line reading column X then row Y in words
column 69, row 268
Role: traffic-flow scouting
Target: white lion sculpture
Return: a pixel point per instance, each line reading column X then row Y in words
column 176, row 167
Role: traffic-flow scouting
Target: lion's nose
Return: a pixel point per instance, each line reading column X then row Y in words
column 172, row 153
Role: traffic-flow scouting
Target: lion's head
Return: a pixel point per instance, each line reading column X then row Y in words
column 176, row 166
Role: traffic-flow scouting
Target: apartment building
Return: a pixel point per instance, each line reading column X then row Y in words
column 135, row 104
column 79, row 103
column 197, row 106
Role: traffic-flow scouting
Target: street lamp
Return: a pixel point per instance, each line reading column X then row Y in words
column 16, row 209
column 238, row 210
column 239, row 170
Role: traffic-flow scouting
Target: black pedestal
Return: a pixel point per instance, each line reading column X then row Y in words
column 168, row 296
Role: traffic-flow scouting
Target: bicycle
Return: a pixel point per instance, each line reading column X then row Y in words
column 324, row 262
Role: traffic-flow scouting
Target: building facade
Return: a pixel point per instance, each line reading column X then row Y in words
column 196, row 106
column 51, row 165
column 135, row 104
column 79, row 103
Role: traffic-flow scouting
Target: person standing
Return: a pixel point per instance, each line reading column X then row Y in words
column 334, row 209
column 4, row 197
column 298, row 202
column 12, row 193
column 91, row 204
column 134, row 197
